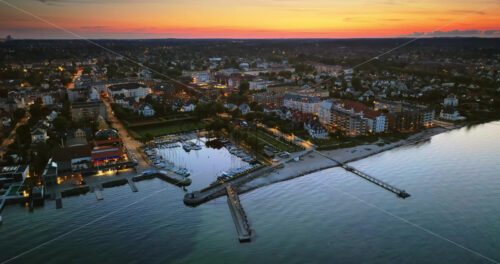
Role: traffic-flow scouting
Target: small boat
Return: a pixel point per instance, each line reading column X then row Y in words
column 196, row 147
column 186, row 147
column 183, row 172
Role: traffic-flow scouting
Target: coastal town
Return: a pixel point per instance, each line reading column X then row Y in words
column 73, row 125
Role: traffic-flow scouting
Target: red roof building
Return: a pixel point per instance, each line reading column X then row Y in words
column 106, row 153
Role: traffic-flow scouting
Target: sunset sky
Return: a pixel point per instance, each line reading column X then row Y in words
column 250, row 18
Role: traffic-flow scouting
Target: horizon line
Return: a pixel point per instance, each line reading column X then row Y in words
column 299, row 38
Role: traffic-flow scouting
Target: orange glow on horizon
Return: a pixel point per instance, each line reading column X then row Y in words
column 248, row 19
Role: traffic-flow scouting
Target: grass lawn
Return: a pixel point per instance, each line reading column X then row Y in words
column 140, row 132
column 281, row 145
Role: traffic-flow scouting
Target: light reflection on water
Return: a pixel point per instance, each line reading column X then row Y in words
column 453, row 180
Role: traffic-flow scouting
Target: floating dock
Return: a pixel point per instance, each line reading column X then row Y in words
column 239, row 216
column 132, row 185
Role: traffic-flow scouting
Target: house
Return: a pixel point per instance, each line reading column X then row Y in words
column 146, row 110
column 73, row 158
column 188, row 108
column 230, row 107
column 315, row 129
column 105, row 154
column 451, row 100
column 234, row 82
column 135, row 90
column 258, row 84
column 77, row 138
column 52, row 116
column 245, row 109
column 351, row 117
column 302, row 103
column 199, row 77
column 145, row 74
column 38, row 135
column 88, row 111
column 5, row 121
column 406, row 117
column 47, row 99
column 79, row 133
column 450, row 113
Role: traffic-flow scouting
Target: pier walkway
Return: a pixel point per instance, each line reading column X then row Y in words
column 59, row 204
column 239, row 216
column 399, row 192
column 132, row 185
column 2, row 204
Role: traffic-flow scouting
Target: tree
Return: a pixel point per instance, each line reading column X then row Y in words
column 19, row 113
column 244, row 86
column 66, row 109
column 61, row 124
column 24, row 135
column 147, row 137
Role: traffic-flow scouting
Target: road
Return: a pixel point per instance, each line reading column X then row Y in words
column 10, row 139
column 71, row 85
column 129, row 142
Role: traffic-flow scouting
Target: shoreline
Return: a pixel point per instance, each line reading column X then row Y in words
column 314, row 162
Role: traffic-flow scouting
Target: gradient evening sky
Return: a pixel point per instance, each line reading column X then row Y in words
column 251, row 18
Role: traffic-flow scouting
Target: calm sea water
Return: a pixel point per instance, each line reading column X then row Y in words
column 327, row 217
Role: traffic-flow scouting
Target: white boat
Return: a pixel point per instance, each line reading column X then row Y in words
column 183, row 172
column 196, row 147
column 186, row 147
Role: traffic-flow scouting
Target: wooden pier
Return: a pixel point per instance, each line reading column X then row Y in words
column 59, row 204
column 239, row 216
column 399, row 192
column 132, row 185
column 2, row 204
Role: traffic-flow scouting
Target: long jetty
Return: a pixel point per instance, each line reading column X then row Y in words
column 399, row 192
column 239, row 216
column 59, row 203
column 132, row 185
column 2, row 204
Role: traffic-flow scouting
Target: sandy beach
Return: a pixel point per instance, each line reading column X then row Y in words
column 315, row 161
